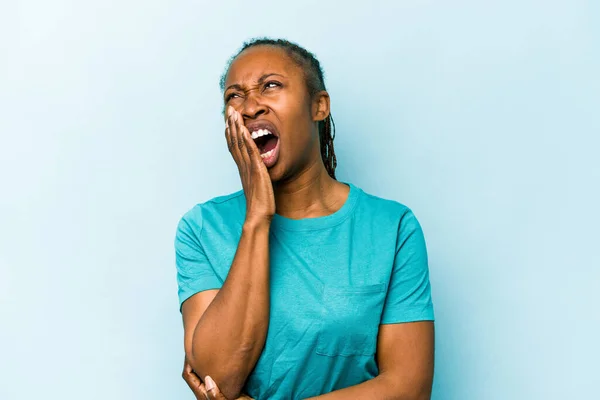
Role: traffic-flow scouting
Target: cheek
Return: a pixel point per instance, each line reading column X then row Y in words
column 294, row 114
column 297, row 119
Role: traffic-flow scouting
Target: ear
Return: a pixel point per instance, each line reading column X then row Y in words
column 320, row 106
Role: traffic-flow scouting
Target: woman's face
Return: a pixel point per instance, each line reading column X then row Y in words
column 269, row 90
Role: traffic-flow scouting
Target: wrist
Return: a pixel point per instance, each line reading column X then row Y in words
column 257, row 224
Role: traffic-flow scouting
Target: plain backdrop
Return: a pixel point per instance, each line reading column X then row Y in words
column 482, row 116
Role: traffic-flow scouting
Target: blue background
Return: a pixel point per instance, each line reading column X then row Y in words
column 482, row 116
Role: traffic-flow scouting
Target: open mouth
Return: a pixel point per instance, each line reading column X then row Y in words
column 267, row 144
column 265, row 141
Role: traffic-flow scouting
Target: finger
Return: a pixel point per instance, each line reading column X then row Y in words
column 247, row 141
column 230, row 135
column 212, row 389
column 196, row 386
column 227, row 127
column 204, row 394
column 201, row 393
column 253, row 154
column 232, row 129
column 239, row 120
column 234, row 146
column 186, row 366
column 193, row 381
column 188, row 374
column 252, row 151
column 237, row 142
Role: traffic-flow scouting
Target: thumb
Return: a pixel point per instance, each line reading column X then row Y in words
column 212, row 390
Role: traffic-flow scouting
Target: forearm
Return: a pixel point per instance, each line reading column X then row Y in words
column 230, row 335
column 382, row 387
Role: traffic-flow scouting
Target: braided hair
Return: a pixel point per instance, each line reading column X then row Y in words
column 313, row 73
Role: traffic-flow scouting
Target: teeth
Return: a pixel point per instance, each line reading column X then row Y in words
column 267, row 154
column 259, row 133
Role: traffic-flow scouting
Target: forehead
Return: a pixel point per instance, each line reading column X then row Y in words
column 254, row 62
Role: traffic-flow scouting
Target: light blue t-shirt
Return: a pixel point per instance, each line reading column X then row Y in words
column 334, row 280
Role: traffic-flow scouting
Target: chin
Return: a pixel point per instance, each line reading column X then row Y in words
column 275, row 173
column 278, row 172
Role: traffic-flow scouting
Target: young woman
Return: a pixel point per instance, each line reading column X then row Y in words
column 299, row 285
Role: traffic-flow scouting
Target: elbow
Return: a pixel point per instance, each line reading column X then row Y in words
column 419, row 392
column 231, row 391
column 422, row 396
column 407, row 390
column 410, row 395
column 230, row 376
column 424, row 389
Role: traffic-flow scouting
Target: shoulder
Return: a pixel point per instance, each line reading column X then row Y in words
column 218, row 208
column 388, row 210
column 397, row 220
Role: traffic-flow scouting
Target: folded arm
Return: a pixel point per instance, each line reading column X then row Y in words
column 405, row 354
column 225, row 329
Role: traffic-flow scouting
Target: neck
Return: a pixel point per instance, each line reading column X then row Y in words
column 312, row 193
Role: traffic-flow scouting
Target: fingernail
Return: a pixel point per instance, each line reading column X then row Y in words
column 209, row 383
column 229, row 110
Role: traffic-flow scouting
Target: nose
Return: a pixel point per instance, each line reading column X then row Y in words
column 253, row 106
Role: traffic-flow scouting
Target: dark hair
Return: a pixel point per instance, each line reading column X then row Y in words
column 313, row 74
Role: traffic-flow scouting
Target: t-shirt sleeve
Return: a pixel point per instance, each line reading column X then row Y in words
column 409, row 292
column 194, row 271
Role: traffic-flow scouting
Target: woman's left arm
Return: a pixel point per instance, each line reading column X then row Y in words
column 405, row 354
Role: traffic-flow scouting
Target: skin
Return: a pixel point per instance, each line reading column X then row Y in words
column 302, row 187
column 225, row 329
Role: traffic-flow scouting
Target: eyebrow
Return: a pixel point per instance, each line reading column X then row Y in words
column 260, row 80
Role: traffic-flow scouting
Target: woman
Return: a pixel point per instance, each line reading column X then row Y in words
column 299, row 285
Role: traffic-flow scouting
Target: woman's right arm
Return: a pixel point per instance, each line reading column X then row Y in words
column 225, row 329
